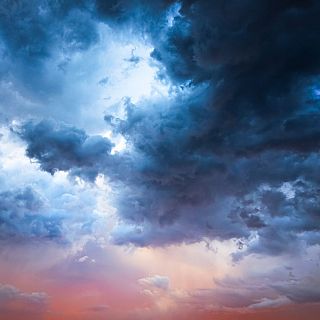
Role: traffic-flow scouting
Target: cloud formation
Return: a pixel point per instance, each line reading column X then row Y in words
column 213, row 159
column 16, row 304
column 156, row 281
column 62, row 147
column 21, row 217
column 154, row 123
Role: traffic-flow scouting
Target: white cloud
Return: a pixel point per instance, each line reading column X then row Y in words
column 156, row 281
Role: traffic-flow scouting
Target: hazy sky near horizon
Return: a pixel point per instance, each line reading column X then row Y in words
column 159, row 159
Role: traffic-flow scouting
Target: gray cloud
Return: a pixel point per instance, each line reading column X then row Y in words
column 61, row 147
column 209, row 161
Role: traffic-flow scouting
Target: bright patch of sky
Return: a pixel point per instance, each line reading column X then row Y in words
column 98, row 80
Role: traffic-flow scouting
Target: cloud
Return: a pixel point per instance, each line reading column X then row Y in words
column 163, row 184
column 270, row 303
column 230, row 151
column 207, row 152
column 62, row 147
column 305, row 290
column 86, row 259
column 266, row 285
column 156, row 281
column 21, row 217
column 37, row 207
column 240, row 122
column 8, row 292
column 16, row 304
column 35, row 39
column 29, row 37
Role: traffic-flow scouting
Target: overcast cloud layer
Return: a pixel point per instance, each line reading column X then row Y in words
column 228, row 150
column 216, row 158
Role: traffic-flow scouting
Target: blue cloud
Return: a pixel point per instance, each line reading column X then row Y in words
column 22, row 217
column 210, row 160
column 61, row 147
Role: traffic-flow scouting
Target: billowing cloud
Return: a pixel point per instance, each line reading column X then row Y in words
column 253, row 124
column 217, row 138
column 62, row 147
column 21, row 217
column 210, row 160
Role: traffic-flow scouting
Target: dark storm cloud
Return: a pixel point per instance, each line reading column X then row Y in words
column 259, row 58
column 123, row 11
column 211, row 161
column 21, row 217
column 256, row 123
column 62, row 147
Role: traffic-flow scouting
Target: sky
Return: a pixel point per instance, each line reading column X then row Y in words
column 159, row 159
